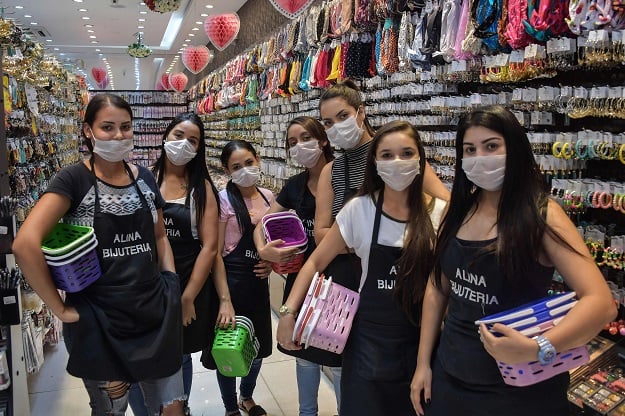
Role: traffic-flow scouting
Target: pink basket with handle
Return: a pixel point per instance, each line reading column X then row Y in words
column 526, row 374
column 326, row 316
column 288, row 227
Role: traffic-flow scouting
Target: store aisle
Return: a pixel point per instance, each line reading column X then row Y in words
column 53, row 392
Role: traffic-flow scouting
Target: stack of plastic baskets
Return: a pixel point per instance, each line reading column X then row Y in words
column 533, row 319
column 70, row 251
column 326, row 316
column 234, row 349
column 288, row 227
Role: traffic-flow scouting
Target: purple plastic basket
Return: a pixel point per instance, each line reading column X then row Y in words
column 285, row 226
column 531, row 373
column 326, row 315
column 76, row 272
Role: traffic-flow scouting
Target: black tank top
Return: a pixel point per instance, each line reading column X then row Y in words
column 478, row 289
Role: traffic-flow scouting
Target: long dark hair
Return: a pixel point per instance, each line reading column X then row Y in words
column 196, row 167
column 97, row 103
column 316, row 130
column 417, row 258
column 521, row 217
column 350, row 92
column 234, row 195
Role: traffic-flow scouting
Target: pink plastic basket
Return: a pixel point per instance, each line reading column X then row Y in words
column 531, row 373
column 326, row 316
column 76, row 270
column 288, row 227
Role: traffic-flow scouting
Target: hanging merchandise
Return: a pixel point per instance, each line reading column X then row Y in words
column 195, row 58
column 163, row 6
column 291, row 8
column 138, row 49
column 104, row 83
column 178, row 81
column 222, row 29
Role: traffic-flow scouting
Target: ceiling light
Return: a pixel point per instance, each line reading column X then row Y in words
column 142, row 4
column 204, row 15
column 61, row 54
column 86, row 18
column 187, row 40
column 48, row 40
column 77, row 1
column 97, row 50
column 196, row 28
column 90, row 31
column 34, row 23
column 94, row 41
column 82, row 10
column 143, row 12
column 93, row 37
column 19, row 7
column 56, row 49
column 199, row 23
column 209, row 6
column 141, row 20
column 185, row 45
column 88, row 25
column 191, row 34
column 140, row 27
column 27, row 15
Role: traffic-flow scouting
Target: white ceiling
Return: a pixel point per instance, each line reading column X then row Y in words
column 60, row 27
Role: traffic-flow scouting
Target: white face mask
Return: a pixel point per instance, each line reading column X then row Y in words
column 112, row 150
column 487, row 172
column 179, row 152
column 398, row 174
column 306, row 153
column 246, row 176
column 345, row 134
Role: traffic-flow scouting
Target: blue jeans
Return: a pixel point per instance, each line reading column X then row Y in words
column 308, row 378
column 135, row 395
column 158, row 392
column 228, row 386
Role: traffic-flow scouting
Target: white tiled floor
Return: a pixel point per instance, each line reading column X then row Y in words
column 53, row 392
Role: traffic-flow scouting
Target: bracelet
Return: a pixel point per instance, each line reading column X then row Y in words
column 589, row 198
column 595, row 200
column 592, row 153
column 616, row 202
column 567, row 151
column 556, row 150
column 621, row 153
column 605, row 200
column 581, row 154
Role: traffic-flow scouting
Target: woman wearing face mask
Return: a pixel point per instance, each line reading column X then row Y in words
column 126, row 326
column 191, row 214
column 501, row 226
column 343, row 116
column 307, row 145
column 391, row 226
column 242, row 205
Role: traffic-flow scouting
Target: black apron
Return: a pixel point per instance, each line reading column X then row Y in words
column 186, row 249
column 249, row 294
column 381, row 354
column 130, row 319
column 345, row 269
column 305, row 210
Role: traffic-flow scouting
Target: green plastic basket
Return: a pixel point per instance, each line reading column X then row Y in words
column 234, row 349
column 64, row 238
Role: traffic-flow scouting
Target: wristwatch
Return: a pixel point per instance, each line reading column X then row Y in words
column 546, row 351
column 285, row 310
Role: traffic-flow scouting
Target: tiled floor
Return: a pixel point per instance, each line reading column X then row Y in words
column 53, row 392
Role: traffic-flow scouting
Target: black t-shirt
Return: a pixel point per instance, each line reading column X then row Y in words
column 76, row 183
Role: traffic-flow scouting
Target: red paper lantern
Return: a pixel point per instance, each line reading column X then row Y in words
column 195, row 58
column 178, row 81
column 291, row 8
column 98, row 74
column 222, row 29
column 165, row 81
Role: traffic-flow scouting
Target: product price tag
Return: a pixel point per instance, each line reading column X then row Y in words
column 517, row 56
